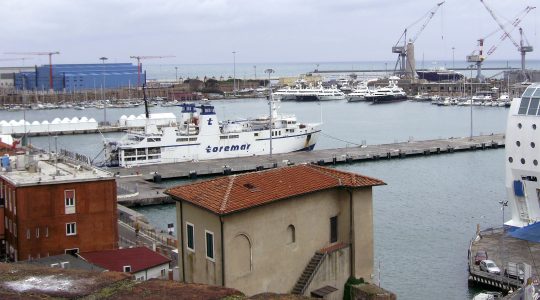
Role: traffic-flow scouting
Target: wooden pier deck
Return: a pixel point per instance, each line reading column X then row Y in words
column 193, row 169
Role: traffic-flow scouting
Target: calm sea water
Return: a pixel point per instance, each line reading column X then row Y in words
column 156, row 71
column 424, row 217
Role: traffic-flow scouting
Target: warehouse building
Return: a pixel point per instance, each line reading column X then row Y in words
column 80, row 77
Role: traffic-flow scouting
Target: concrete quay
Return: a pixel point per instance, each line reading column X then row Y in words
column 193, row 169
column 501, row 249
column 142, row 185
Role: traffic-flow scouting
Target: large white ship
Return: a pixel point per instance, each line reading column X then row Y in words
column 200, row 136
column 522, row 156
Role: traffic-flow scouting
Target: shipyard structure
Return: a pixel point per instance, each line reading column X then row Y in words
column 77, row 77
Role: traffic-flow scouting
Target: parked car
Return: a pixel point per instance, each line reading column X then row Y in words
column 480, row 256
column 489, row 266
column 515, row 271
column 487, row 295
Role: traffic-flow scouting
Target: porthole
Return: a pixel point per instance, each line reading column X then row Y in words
column 534, row 126
column 510, row 159
column 519, row 125
column 523, row 161
column 533, row 145
column 518, row 143
column 535, row 162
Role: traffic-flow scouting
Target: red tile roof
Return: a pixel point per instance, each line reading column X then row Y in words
column 140, row 258
column 225, row 195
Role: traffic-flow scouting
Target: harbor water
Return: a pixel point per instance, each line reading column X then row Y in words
column 425, row 216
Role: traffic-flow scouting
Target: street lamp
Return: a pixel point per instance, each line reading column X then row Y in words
column 176, row 69
column 471, row 117
column 453, row 65
column 503, row 203
column 103, row 59
column 255, row 71
column 234, row 72
column 270, row 104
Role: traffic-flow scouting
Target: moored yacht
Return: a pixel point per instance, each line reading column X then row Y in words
column 389, row 93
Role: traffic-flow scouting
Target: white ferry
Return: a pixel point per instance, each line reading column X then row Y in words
column 522, row 156
column 200, row 136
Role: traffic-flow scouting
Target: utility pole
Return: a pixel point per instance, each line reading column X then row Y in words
column 103, row 59
column 453, row 61
column 176, row 68
column 234, row 72
column 270, row 104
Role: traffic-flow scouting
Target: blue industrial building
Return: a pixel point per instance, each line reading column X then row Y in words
column 79, row 77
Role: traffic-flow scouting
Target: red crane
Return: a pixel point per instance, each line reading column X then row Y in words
column 50, row 54
column 138, row 58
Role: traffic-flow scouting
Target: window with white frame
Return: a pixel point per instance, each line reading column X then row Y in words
column 37, row 232
column 209, row 244
column 69, row 201
column 71, row 228
column 47, row 232
column 190, row 236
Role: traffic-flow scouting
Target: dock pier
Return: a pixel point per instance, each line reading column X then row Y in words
column 145, row 181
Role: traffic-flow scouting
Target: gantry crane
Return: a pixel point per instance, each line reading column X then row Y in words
column 477, row 56
column 50, row 54
column 523, row 49
column 138, row 58
column 401, row 50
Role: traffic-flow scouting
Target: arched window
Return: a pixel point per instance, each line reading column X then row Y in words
column 291, row 234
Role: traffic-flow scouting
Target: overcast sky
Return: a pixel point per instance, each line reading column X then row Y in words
column 207, row 31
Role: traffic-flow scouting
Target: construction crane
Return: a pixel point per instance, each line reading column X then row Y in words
column 50, row 54
column 401, row 50
column 523, row 49
column 138, row 58
column 14, row 59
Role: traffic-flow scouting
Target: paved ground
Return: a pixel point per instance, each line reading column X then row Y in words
column 507, row 248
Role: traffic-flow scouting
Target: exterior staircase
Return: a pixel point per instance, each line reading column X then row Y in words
column 310, row 270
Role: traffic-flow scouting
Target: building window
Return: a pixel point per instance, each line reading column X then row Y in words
column 333, row 229
column 291, row 234
column 71, row 228
column 27, row 234
column 190, row 234
column 47, row 232
column 127, row 269
column 69, row 200
column 37, row 232
column 209, row 245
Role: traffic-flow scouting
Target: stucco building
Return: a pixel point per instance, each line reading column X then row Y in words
column 54, row 207
column 300, row 229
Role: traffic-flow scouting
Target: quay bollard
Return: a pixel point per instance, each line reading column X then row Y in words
column 450, row 150
column 483, row 146
column 156, row 178
column 438, row 150
column 388, row 155
column 192, row 174
column 334, row 160
column 320, row 162
column 259, row 168
column 227, row 170
column 375, row 157
column 348, row 159
column 427, row 152
column 274, row 165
